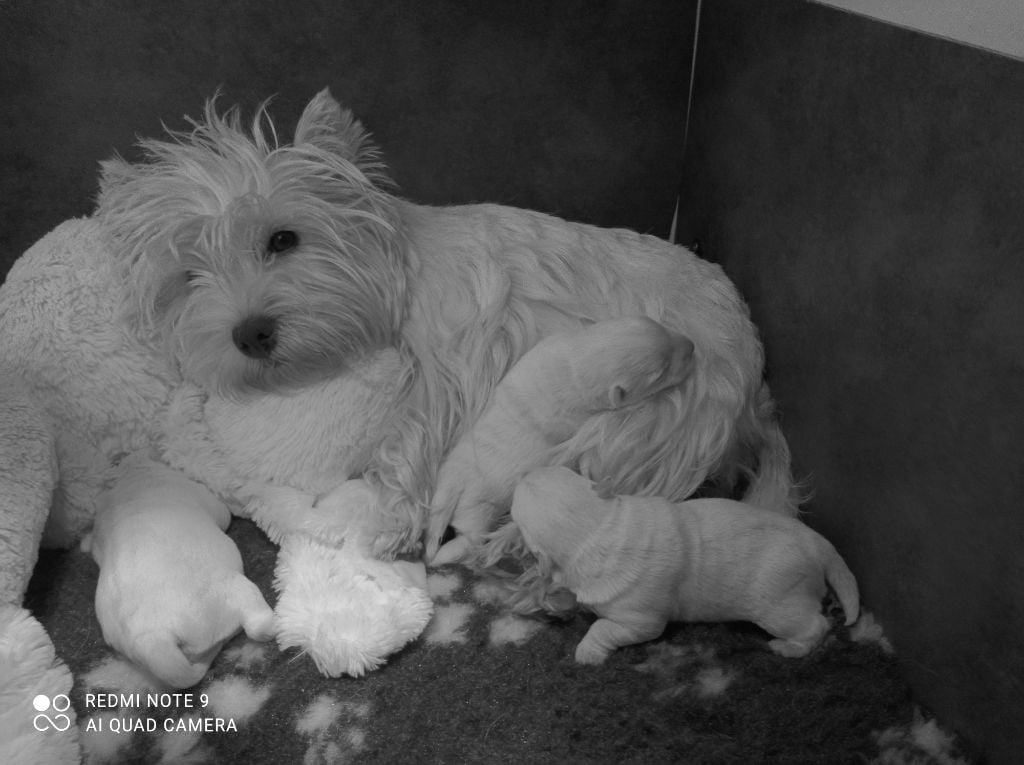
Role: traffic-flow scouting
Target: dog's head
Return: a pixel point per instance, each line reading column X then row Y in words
column 258, row 265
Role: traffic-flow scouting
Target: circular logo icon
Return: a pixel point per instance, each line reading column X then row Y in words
column 59, row 722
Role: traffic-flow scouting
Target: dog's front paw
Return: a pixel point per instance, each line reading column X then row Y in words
column 279, row 510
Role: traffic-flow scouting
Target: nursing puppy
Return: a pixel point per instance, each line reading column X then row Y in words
column 171, row 589
column 641, row 562
column 539, row 405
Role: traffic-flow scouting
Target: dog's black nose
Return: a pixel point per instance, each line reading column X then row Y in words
column 256, row 336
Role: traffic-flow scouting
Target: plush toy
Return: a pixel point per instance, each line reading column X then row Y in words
column 29, row 669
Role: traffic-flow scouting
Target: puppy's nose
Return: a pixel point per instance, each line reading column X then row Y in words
column 256, row 336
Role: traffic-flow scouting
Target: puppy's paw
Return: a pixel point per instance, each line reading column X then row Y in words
column 455, row 551
column 257, row 618
column 588, row 652
column 791, row 649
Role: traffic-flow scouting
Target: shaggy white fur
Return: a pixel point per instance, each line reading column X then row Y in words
column 347, row 611
column 265, row 267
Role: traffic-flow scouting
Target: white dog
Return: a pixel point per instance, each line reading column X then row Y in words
column 259, row 267
column 642, row 562
column 171, row 589
column 539, row 405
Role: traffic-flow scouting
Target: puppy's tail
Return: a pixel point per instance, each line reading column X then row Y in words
column 843, row 583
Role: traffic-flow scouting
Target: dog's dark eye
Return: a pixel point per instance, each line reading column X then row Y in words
column 191, row 276
column 282, row 241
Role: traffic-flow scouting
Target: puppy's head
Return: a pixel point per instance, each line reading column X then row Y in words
column 555, row 509
column 625, row 360
column 258, row 265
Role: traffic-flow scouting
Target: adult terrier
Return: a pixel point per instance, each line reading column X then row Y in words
column 262, row 267
column 640, row 562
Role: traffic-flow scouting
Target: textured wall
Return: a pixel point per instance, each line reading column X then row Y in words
column 573, row 107
column 863, row 185
column 994, row 24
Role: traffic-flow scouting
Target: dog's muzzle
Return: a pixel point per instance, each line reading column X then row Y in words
column 256, row 337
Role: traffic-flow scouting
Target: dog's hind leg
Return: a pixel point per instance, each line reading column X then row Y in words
column 798, row 627
column 605, row 635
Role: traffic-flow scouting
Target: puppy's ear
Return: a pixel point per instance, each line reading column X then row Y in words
column 327, row 126
column 617, row 396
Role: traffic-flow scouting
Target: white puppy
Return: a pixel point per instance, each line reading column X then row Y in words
column 640, row 562
column 171, row 589
column 541, row 402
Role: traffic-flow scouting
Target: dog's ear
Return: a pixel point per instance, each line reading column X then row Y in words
column 114, row 172
column 327, row 126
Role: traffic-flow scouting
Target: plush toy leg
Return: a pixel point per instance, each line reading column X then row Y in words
column 37, row 721
column 28, row 475
column 347, row 610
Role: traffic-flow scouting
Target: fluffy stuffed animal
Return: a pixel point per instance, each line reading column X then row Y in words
column 544, row 399
column 171, row 589
column 640, row 562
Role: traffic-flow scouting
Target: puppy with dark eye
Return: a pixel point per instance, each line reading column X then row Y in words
column 540, row 403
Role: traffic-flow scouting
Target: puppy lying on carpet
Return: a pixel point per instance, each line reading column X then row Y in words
column 640, row 562
column 537, row 406
column 171, row 589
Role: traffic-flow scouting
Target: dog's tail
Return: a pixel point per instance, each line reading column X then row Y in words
column 771, row 485
column 842, row 582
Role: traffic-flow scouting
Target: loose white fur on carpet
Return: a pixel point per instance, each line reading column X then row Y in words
column 236, row 698
column 512, row 629
column 449, row 624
